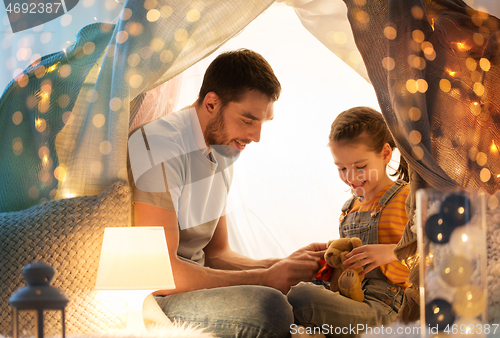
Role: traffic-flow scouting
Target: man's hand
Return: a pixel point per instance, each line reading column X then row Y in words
column 300, row 266
column 316, row 250
column 372, row 255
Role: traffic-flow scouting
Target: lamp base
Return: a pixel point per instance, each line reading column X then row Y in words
column 135, row 302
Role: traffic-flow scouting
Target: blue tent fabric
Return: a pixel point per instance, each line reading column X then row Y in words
column 20, row 162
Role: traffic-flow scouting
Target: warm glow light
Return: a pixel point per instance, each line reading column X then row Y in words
column 451, row 72
column 60, row 173
column 53, row 67
column 485, row 175
column 412, row 86
column 418, row 36
column 432, row 23
column 445, row 85
column 493, row 146
column 478, row 88
column 462, row 46
column 485, row 64
column 135, row 260
column 153, row 15
column 390, row 32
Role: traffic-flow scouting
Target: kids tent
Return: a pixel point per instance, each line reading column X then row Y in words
column 433, row 65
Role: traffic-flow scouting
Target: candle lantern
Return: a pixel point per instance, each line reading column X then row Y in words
column 37, row 296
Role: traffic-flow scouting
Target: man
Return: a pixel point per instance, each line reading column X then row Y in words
column 182, row 170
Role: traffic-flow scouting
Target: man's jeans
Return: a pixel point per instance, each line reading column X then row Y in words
column 235, row 311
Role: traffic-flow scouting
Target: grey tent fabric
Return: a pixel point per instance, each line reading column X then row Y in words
column 434, row 65
column 30, row 119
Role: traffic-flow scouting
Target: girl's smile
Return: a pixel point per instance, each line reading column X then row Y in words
column 358, row 186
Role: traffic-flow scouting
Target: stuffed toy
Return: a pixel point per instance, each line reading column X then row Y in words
column 346, row 281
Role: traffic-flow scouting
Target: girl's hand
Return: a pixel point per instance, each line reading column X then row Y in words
column 372, row 255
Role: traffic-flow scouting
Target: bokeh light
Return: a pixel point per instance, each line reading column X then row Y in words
column 133, row 59
column 388, row 63
column 153, row 15
column 414, row 113
column 17, row 145
column 121, row 37
column 390, row 32
column 193, row 15
column 105, row 147
column 181, row 35
column 166, row 56
column 115, row 104
column 65, row 71
column 485, row 175
column 98, row 120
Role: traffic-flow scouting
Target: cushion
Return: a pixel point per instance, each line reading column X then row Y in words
column 66, row 234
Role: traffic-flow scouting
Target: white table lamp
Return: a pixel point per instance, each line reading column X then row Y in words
column 135, row 260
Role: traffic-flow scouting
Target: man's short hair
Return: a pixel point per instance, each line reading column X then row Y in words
column 233, row 73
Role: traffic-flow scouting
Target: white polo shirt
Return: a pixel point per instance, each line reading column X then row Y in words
column 172, row 170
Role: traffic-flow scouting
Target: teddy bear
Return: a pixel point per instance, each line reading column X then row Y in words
column 346, row 281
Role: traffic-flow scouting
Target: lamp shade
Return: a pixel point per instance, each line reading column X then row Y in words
column 134, row 258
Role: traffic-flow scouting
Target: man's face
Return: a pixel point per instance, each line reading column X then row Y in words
column 239, row 123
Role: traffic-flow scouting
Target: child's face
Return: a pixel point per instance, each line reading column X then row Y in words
column 361, row 168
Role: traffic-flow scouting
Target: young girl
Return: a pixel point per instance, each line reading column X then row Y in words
column 362, row 146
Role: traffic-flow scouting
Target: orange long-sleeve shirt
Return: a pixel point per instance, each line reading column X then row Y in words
column 390, row 229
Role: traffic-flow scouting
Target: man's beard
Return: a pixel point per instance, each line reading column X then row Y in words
column 216, row 136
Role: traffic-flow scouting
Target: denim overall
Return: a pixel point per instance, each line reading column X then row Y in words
column 364, row 225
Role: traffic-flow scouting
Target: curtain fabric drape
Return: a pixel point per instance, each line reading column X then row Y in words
column 435, row 68
column 327, row 21
column 155, row 103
